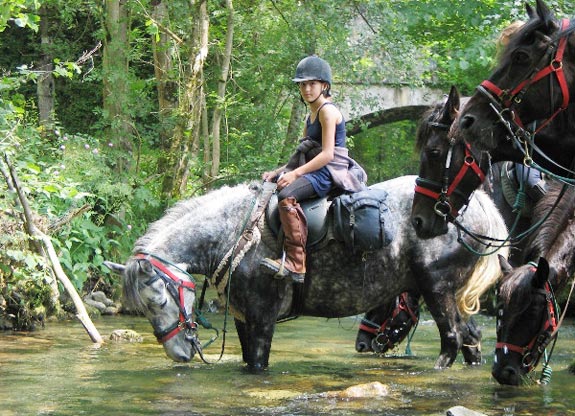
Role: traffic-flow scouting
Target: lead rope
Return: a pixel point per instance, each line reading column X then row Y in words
column 546, row 369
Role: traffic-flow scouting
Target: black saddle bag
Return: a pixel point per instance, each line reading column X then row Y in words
column 363, row 221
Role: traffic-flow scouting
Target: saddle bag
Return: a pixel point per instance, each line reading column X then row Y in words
column 363, row 221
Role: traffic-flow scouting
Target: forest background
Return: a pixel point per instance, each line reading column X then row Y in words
column 112, row 110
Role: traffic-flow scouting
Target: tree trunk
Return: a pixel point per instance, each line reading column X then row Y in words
column 185, row 140
column 295, row 127
column 45, row 85
column 167, row 87
column 116, row 79
column 222, row 82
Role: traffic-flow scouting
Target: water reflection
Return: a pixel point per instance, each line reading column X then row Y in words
column 57, row 371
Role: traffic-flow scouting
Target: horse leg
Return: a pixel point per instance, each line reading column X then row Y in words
column 471, row 348
column 444, row 312
column 255, row 340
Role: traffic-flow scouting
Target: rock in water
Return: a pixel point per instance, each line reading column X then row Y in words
column 463, row 411
column 125, row 335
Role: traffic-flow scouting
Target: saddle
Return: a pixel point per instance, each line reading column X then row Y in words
column 361, row 220
column 510, row 186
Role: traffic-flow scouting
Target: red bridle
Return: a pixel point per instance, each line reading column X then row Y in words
column 382, row 331
column 531, row 353
column 443, row 206
column 185, row 320
column 507, row 98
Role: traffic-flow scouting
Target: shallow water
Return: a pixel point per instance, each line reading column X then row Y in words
column 58, row 371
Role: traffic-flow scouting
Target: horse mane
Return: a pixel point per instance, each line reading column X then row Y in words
column 434, row 113
column 487, row 270
column 546, row 235
column 193, row 207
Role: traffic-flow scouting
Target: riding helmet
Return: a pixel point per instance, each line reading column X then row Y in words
column 313, row 68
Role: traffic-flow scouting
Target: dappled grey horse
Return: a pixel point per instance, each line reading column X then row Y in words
column 196, row 236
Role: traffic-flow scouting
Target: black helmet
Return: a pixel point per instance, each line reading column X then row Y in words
column 313, row 68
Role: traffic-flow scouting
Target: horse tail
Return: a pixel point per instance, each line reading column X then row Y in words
column 487, row 270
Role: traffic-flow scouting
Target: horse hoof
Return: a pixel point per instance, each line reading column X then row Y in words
column 255, row 368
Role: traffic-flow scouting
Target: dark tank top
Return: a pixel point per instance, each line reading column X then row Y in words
column 321, row 179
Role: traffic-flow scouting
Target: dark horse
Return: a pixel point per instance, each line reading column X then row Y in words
column 197, row 235
column 524, row 108
column 523, row 311
column 527, row 312
column 449, row 173
column 385, row 327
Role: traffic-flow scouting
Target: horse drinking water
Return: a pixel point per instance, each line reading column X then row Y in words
column 197, row 235
column 527, row 317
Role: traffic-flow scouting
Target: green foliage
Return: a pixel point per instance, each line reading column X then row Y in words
column 372, row 42
column 387, row 151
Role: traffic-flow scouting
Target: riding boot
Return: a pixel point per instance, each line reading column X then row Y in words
column 294, row 224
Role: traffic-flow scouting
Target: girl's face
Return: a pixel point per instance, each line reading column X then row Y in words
column 311, row 90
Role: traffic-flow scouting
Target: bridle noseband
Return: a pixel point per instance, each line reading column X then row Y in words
column 175, row 287
column 427, row 187
column 532, row 352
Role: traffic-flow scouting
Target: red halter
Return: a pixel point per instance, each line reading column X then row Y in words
column 443, row 207
column 531, row 353
column 507, row 98
column 185, row 320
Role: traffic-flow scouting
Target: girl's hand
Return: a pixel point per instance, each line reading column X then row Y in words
column 269, row 176
column 286, row 179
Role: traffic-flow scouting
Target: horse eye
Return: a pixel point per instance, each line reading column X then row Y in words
column 434, row 153
column 520, row 57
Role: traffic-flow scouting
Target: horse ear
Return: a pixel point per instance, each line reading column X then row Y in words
column 115, row 267
column 530, row 12
column 542, row 274
column 546, row 16
column 505, row 266
column 452, row 105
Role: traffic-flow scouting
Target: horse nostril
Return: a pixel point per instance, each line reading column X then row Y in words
column 361, row 347
column 417, row 223
column 466, row 121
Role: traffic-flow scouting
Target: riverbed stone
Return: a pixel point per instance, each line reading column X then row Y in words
column 361, row 391
column 463, row 411
column 125, row 335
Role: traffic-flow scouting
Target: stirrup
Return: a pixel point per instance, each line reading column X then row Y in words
column 275, row 267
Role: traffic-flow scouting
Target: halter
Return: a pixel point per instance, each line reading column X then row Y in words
column 502, row 102
column 427, row 187
column 532, row 352
column 175, row 287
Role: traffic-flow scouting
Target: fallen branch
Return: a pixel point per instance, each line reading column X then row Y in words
column 34, row 232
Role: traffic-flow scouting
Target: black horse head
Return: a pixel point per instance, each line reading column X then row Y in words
column 526, row 320
column 385, row 327
column 448, row 170
column 528, row 93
